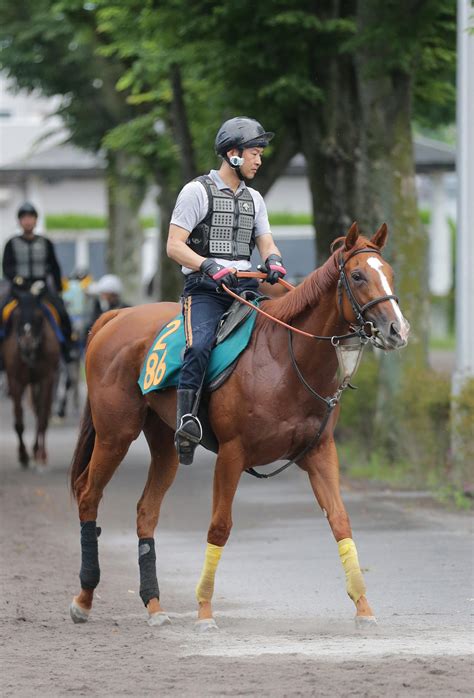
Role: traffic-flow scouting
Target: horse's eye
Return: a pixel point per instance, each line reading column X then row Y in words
column 356, row 275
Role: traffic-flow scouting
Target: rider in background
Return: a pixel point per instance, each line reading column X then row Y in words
column 216, row 222
column 109, row 291
column 78, row 302
column 28, row 258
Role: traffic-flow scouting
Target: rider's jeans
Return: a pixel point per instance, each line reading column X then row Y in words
column 203, row 307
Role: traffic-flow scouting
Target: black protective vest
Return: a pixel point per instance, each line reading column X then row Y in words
column 228, row 230
column 31, row 257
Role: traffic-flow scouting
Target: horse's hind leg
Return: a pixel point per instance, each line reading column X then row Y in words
column 163, row 467
column 106, row 457
column 322, row 467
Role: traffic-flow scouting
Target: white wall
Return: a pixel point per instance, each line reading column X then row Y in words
column 290, row 195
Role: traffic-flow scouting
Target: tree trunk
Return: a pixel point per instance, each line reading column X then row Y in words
column 388, row 193
column 125, row 241
column 330, row 137
column 169, row 282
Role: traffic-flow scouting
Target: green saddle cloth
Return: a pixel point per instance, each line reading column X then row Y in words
column 162, row 365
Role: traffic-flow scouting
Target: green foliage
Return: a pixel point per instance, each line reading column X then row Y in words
column 423, row 410
column 429, row 418
column 286, row 218
column 54, row 51
column 78, row 221
column 74, row 221
column 359, row 407
column 463, row 435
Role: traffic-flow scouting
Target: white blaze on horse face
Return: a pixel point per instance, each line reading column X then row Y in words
column 377, row 264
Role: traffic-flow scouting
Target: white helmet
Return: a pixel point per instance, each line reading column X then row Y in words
column 107, row 284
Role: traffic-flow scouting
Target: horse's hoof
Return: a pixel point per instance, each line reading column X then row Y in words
column 363, row 622
column 159, row 618
column 205, row 625
column 78, row 614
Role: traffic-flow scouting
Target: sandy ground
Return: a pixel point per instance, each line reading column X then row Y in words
column 285, row 622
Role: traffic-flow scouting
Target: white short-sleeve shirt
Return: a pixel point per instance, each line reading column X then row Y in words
column 192, row 205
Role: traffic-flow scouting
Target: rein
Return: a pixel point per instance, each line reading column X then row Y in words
column 329, row 402
column 289, row 287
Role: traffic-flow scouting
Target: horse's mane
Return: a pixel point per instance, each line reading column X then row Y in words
column 308, row 294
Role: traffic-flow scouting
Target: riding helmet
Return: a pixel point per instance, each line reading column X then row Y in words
column 27, row 209
column 241, row 132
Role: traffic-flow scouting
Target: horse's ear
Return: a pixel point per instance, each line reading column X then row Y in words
column 380, row 237
column 351, row 237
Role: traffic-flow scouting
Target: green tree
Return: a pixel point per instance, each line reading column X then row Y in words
column 184, row 97
column 349, row 79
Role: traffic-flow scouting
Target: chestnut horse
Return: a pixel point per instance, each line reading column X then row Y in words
column 262, row 413
column 31, row 354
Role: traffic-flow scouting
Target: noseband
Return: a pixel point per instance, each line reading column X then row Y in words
column 343, row 284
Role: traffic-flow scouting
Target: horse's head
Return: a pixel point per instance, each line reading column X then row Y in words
column 29, row 326
column 365, row 289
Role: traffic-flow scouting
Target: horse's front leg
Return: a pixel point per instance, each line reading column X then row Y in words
column 322, row 466
column 229, row 467
column 43, row 402
column 16, row 393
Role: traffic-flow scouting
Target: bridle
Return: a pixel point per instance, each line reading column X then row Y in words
column 342, row 284
column 359, row 310
column 364, row 329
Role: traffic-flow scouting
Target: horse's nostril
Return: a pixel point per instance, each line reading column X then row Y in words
column 395, row 329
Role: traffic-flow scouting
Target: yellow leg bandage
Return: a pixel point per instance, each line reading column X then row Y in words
column 205, row 587
column 355, row 584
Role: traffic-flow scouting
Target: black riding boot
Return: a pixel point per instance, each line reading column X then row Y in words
column 188, row 428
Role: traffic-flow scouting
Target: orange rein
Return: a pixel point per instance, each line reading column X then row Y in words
column 286, row 284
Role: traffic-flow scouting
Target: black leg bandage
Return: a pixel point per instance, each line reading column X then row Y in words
column 147, row 561
column 90, row 570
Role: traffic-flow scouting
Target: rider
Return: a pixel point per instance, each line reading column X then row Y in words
column 108, row 291
column 216, row 222
column 28, row 258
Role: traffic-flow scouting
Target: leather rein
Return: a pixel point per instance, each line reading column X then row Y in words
column 358, row 331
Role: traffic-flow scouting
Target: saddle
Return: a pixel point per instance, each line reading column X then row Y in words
column 47, row 308
column 236, row 315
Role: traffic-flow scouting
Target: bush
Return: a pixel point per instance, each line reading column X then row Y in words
column 423, row 414
column 419, row 453
column 358, row 408
column 462, row 475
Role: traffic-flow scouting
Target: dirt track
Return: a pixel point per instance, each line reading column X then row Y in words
column 285, row 621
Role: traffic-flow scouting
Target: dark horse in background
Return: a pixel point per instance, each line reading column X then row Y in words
column 31, row 353
column 265, row 411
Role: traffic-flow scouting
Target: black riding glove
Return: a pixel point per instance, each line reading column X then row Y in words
column 219, row 274
column 273, row 268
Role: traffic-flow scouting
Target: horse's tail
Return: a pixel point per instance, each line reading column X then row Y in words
column 86, row 438
column 101, row 321
column 84, row 447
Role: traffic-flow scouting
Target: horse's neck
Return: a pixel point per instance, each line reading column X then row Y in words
column 316, row 359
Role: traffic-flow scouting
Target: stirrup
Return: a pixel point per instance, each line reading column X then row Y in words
column 189, row 420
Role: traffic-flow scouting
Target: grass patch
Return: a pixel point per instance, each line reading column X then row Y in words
column 374, row 467
column 452, row 496
column 447, row 343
